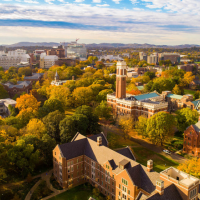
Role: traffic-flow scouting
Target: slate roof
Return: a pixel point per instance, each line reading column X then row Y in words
column 145, row 96
column 197, row 126
column 104, row 140
column 80, row 145
column 170, row 193
column 175, row 96
column 34, row 76
column 20, row 84
column 126, row 152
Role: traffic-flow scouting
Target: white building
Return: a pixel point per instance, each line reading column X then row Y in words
column 4, row 103
column 47, row 61
column 76, row 51
column 110, row 57
column 13, row 58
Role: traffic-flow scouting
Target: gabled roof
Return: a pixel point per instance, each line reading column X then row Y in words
column 80, row 145
column 170, row 193
column 126, row 152
column 196, row 126
column 104, row 140
column 146, row 96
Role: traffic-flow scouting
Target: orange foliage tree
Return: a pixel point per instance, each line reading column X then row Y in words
column 134, row 92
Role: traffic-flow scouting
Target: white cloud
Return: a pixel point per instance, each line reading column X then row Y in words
column 49, row 1
column 134, row 1
column 103, row 5
column 62, row 1
column 116, row 1
column 31, row 1
column 96, row 1
column 79, row 1
column 6, row 0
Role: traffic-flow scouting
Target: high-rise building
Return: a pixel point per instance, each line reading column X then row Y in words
column 13, row 58
column 76, row 51
column 173, row 57
column 47, row 61
column 143, row 56
column 152, row 59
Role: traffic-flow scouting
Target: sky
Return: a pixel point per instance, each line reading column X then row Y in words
column 160, row 22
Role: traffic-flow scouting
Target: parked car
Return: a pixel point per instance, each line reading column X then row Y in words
column 167, row 151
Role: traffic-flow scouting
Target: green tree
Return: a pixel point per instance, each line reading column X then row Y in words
column 150, row 74
column 52, row 121
column 26, row 71
column 186, row 117
column 3, row 92
column 197, row 94
column 160, row 127
column 23, row 157
column 71, row 125
column 102, row 96
column 53, row 105
column 103, row 111
column 93, row 127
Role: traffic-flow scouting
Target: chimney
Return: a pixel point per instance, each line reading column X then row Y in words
column 99, row 141
column 160, row 187
column 149, row 165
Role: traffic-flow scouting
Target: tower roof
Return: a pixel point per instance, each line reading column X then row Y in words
column 56, row 75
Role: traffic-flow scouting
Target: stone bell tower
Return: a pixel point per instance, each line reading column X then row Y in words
column 121, row 80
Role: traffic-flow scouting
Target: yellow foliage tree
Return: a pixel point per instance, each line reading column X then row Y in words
column 176, row 90
column 191, row 167
column 61, row 93
column 82, row 96
column 36, row 127
column 126, row 124
column 188, row 78
column 27, row 101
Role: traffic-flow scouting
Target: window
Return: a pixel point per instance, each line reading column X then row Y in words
column 55, row 153
column 128, row 191
column 71, row 162
column 77, row 166
column 125, row 182
column 119, row 193
column 113, row 176
column 77, row 160
column 119, row 186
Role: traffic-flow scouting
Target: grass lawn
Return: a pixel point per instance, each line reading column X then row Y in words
column 117, row 141
column 81, row 192
column 160, row 162
column 189, row 92
column 70, row 111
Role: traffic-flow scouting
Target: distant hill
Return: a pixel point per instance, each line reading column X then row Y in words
column 103, row 45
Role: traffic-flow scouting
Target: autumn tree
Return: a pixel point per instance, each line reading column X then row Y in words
column 141, row 126
column 102, row 95
column 126, row 124
column 36, row 127
column 61, row 93
column 177, row 90
column 27, row 101
column 160, row 127
column 186, row 117
column 188, row 78
column 191, row 167
column 82, row 96
column 3, row 92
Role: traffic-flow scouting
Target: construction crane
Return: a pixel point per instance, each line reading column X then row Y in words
column 77, row 39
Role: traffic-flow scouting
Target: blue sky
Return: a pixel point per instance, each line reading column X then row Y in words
column 169, row 22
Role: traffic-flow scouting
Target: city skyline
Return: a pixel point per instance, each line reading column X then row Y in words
column 169, row 22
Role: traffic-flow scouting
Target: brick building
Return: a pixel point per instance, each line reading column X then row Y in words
column 116, row 173
column 19, row 88
column 191, row 144
column 35, row 77
column 57, row 51
column 122, row 103
column 176, row 102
